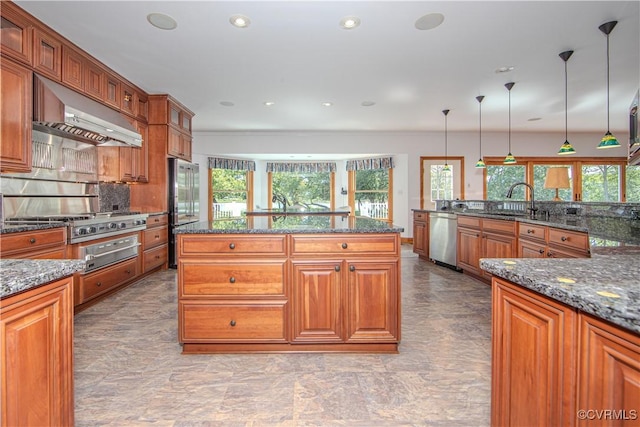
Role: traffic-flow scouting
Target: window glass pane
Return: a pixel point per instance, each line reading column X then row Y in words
column 633, row 183
column 229, row 188
column 600, row 183
column 302, row 191
column 372, row 193
column 441, row 183
column 539, row 178
column 501, row 177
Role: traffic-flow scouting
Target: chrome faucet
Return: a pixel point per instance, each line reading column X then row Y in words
column 282, row 199
column 533, row 199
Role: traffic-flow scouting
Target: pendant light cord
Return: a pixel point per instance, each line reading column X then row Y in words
column 608, row 83
column 509, row 120
column 566, row 125
column 480, row 127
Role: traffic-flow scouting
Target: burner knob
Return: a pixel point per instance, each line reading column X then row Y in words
column 93, row 229
column 123, row 225
column 113, row 225
column 82, row 231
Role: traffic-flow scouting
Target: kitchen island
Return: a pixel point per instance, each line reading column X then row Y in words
column 568, row 332
column 289, row 283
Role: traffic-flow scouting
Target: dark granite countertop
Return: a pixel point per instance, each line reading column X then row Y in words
column 19, row 275
column 6, row 228
column 606, row 286
column 287, row 224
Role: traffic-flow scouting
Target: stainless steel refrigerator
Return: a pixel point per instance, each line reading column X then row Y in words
column 184, row 200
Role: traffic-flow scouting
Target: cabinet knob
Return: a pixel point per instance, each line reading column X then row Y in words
column 232, row 245
column 550, row 255
column 232, row 279
column 564, row 239
column 99, row 284
column 232, row 323
column 529, row 231
column 32, row 240
column 344, row 246
column 337, row 268
column 157, row 237
column 541, row 251
column 352, row 268
column 128, row 271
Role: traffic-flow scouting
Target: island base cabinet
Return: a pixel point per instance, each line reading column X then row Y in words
column 609, row 375
column 36, row 332
column 533, row 359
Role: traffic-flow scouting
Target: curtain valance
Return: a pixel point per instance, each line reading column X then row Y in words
column 231, row 164
column 363, row 164
column 299, row 167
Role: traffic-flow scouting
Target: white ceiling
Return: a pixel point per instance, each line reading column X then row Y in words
column 295, row 54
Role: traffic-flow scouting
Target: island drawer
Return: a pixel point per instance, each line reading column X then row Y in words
column 499, row 226
column 571, row 239
column 206, row 244
column 532, row 232
column 232, row 322
column 469, row 221
column 206, row 279
column 156, row 236
column 420, row 216
column 344, row 244
column 32, row 241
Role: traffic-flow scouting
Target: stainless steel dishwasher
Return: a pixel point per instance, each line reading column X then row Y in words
column 443, row 228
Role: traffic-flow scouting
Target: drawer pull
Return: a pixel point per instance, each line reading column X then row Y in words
column 550, row 254
column 157, row 256
column 99, row 284
column 352, row 268
column 345, row 246
column 530, row 231
column 232, row 323
column 128, row 271
column 564, row 239
column 232, row 280
column 157, row 237
column 337, row 268
column 32, row 240
column 541, row 251
column 232, row 245
column 156, row 220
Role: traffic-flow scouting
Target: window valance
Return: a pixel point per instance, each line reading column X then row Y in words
column 299, row 167
column 364, row 164
column 231, row 164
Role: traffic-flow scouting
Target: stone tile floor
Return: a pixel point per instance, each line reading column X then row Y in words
column 129, row 370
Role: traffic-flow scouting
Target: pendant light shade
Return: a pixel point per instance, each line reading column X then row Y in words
column 480, row 163
column 509, row 160
column 608, row 140
column 446, row 167
column 566, row 148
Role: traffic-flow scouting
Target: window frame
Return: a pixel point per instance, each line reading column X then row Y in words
column 351, row 176
column 210, row 189
column 332, row 185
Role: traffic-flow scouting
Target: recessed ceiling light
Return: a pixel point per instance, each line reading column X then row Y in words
column 429, row 21
column 368, row 103
column 327, row 104
column 162, row 21
column 240, row 21
column 227, row 103
column 269, row 103
column 350, row 22
column 534, row 119
column 505, row 69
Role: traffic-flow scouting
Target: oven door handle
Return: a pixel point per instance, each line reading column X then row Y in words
column 89, row 257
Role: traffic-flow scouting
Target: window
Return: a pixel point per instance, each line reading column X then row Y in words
column 633, row 183
column 371, row 194
column 540, row 177
column 601, row 183
column 500, row 178
column 441, row 183
column 230, row 188
column 301, row 186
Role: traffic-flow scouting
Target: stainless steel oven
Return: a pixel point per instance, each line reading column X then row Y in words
column 102, row 254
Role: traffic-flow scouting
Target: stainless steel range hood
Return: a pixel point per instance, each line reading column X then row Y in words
column 61, row 111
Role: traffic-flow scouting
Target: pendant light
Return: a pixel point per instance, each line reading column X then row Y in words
column 480, row 163
column 566, row 148
column 509, row 160
column 608, row 140
column 446, row 167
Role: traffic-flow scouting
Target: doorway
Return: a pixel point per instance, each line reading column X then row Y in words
column 438, row 184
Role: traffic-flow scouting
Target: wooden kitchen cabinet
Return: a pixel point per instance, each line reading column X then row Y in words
column 73, row 68
column 36, row 333
column 155, row 243
column 164, row 110
column 93, row 284
column 125, row 164
column 16, row 89
column 539, row 241
column 609, row 372
column 16, row 33
column 421, row 234
column 40, row 244
column 47, row 54
column 533, row 359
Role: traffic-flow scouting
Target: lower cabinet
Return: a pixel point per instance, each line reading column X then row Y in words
column 550, row 362
column 155, row 243
column 539, row 241
column 36, row 333
column 288, row 293
column 421, row 234
column 40, row 244
column 93, row 284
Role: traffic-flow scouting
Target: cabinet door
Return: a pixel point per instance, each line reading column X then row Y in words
column 109, row 164
column 529, row 249
column 73, row 69
column 15, row 33
column 112, row 91
column 316, row 296
column 607, row 349
column 534, row 341
column 129, row 101
column 36, row 335
column 174, row 148
column 15, row 123
column 469, row 249
column 498, row 246
column 420, row 238
column 372, row 305
column 47, row 54
column 94, row 82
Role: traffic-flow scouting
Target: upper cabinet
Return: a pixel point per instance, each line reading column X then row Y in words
column 15, row 33
column 16, row 88
column 47, row 54
column 165, row 110
column 73, row 68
